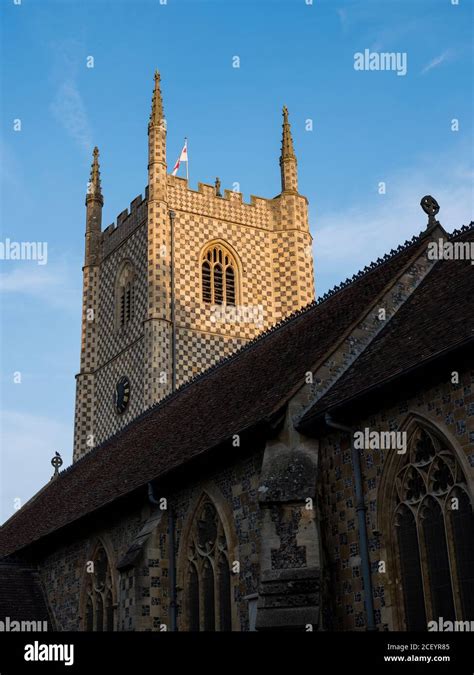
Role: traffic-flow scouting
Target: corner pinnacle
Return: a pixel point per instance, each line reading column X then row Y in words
column 287, row 149
column 94, row 187
column 156, row 117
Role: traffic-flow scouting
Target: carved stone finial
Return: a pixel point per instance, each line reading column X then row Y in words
column 57, row 462
column 431, row 207
column 218, row 188
column 94, row 187
column 156, row 116
column 289, row 176
column 287, row 150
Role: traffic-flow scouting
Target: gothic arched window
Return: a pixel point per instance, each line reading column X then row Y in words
column 208, row 577
column 99, row 604
column 434, row 534
column 125, row 295
column 218, row 276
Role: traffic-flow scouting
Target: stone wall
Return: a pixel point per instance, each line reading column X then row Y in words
column 448, row 408
column 63, row 573
column 142, row 587
column 234, row 493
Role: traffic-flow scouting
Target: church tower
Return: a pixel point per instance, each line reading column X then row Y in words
column 184, row 278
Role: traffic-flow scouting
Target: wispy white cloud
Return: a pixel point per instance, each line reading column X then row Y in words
column 437, row 61
column 347, row 240
column 69, row 110
column 67, row 106
column 393, row 37
column 342, row 14
column 10, row 168
column 28, row 443
column 54, row 285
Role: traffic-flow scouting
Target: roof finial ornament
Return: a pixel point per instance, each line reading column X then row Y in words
column 218, row 187
column 57, row 462
column 431, row 207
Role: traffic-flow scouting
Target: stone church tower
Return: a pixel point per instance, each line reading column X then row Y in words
column 183, row 279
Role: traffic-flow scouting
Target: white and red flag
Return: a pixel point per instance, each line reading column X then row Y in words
column 182, row 158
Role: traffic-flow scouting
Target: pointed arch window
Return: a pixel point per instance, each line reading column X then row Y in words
column 218, row 276
column 410, row 568
column 208, row 579
column 125, row 295
column 434, row 533
column 99, row 603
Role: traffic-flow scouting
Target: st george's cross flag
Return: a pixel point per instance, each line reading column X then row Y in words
column 182, row 158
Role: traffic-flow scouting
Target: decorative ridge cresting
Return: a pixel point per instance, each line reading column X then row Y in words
column 265, row 334
column 462, row 230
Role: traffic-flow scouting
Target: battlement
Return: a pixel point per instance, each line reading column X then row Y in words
column 230, row 205
column 208, row 190
column 127, row 221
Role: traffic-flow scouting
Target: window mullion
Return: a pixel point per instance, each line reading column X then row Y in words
column 224, row 285
column 423, row 565
column 450, row 545
column 217, row 608
column 212, row 284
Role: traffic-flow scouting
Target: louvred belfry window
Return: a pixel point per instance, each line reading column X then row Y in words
column 208, row 577
column 434, row 534
column 99, row 604
column 125, row 295
column 218, row 276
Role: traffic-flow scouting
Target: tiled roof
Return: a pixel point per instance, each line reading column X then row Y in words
column 21, row 596
column 236, row 394
column 436, row 318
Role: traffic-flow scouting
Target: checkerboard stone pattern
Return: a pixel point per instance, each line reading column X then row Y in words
column 108, row 351
column 271, row 243
column 196, row 351
column 63, row 574
column 84, row 413
column 234, row 491
column 448, row 405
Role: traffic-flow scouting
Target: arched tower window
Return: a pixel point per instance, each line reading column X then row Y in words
column 125, row 295
column 208, row 578
column 218, row 276
column 99, row 604
column 433, row 526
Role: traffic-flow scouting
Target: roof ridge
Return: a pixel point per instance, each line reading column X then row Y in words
column 381, row 260
column 144, row 436
column 257, row 339
column 462, row 230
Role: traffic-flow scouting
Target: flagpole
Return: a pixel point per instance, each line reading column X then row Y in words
column 187, row 158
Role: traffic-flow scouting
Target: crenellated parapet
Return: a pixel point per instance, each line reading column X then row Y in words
column 127, row 222
column 258, row 212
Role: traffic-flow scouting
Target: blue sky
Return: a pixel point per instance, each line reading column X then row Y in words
column 368, row 127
